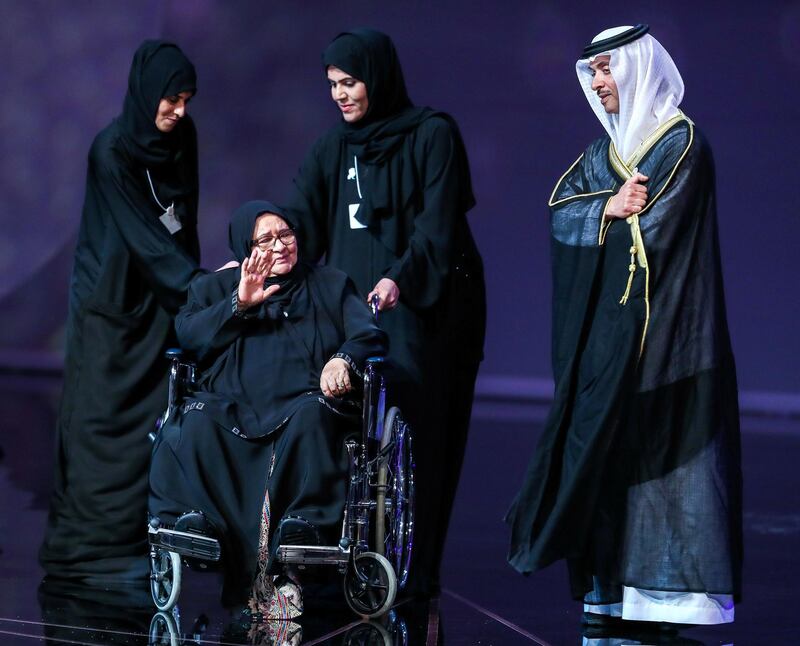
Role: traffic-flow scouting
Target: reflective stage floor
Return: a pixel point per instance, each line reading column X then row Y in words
column 482, row 602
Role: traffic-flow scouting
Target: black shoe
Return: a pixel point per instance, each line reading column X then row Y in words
column 596, row 619
column 294, row 530
column 597, row 626
column 195, row 522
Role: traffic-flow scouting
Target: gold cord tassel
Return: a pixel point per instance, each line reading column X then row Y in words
column 637, row 253
column 631, row 271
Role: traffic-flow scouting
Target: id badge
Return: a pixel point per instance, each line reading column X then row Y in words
column 169, row 220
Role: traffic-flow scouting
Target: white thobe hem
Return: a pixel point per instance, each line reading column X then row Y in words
column 673, row 607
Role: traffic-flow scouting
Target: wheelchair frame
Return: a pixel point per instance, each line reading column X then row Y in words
column 374, row 551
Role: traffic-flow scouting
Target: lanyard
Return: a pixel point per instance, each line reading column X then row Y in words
column 153, row 191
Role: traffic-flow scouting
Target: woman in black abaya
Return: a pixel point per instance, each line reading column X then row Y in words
column 279, row 345
column 137, row 251
column 383, row 196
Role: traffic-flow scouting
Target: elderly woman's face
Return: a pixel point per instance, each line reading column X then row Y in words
column 349, row 93
column 273, row 235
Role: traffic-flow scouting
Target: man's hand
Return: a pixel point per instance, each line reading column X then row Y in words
column 388, row 294
column 335, row 378
column 630, row 199
column 255, row 270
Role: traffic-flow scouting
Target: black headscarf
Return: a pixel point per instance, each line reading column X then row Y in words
column 159, row 69
column 370, row 56
column 240, row 236
column 243, row 223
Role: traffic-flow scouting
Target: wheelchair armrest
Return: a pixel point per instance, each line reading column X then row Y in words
column 374, row 399
column 179, row 354
column 174, row 353
column 181, row 375
column 180, row 357
column 181, row 380
column 373, row 370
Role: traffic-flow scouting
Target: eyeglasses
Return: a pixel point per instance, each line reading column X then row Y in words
column 265, row 243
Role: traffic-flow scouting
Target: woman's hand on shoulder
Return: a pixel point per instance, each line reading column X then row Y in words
column 228, row 265
column 255, row 270
column 335, row 378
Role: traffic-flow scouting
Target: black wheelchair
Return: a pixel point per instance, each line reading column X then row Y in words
column 374, row 550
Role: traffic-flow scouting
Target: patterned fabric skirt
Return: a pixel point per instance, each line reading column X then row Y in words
column 272, row 597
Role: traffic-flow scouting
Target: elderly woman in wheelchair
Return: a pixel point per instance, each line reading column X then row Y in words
column 253, row 457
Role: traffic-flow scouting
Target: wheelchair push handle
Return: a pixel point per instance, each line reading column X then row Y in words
column 374, row 304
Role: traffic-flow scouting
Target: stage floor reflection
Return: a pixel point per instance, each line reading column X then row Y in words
column 482, row 602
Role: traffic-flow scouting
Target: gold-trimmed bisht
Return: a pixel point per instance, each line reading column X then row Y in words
column 627, row 169
column 553, row 202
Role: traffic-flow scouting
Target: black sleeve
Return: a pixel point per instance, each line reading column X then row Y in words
column 363, row 338
column 673, row 192
column 308, row 203
column 165, row 265
column 578, row 204
column 207, row 323
column 421, row 272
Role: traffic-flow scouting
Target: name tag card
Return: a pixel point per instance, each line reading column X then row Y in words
column 169, row 220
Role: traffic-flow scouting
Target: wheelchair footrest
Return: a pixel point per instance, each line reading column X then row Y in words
column 186, row 543
column 313, row 554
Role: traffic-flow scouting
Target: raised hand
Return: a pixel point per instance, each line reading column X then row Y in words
column 630, row 198
column 255, row 270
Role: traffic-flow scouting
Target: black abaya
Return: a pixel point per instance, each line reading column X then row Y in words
column 258, row 424
column 129, row 278
column 387, row 197
column 636, row 480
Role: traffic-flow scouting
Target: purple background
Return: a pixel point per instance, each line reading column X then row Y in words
column 505, row 70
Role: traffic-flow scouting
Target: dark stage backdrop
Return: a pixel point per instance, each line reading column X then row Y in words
column 504, row 69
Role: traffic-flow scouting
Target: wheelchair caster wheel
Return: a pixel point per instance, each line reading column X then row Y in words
column 165, row 578
column 164, row 630
column 370, row 585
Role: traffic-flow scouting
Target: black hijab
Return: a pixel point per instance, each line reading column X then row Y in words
column 243, row 223
column 370, row 56
column 159, row 69
column 240, row 236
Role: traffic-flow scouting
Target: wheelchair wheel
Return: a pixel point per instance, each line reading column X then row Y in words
column 164, row 630
column 165, row 578
column 389, row 630
column 370, row 585
column 394, row 522
column 367, row 634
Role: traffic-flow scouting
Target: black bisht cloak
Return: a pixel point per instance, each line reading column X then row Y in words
column 636, row 478
column 129, row 278
column 413, row 191
column 258, row 421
